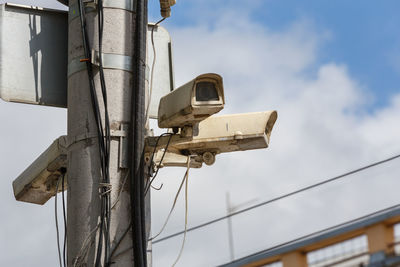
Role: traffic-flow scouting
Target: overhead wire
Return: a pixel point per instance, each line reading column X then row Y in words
column 279, row 198
column 173, row 205
column 186, row 212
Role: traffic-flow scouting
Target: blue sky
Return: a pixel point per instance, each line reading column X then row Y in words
column 364, row 35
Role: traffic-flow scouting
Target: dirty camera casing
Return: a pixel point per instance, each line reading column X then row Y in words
column 228, row 133
column 192, row 102
column 37, row 183
column 215, row 135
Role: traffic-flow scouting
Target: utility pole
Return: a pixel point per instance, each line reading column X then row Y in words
column 123, row 64
column 230, row 210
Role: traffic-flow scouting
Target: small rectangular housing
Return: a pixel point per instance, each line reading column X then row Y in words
column 192, row 102
column 228, row 133
column 37, row 183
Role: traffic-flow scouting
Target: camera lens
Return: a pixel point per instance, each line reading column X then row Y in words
column 206, row 91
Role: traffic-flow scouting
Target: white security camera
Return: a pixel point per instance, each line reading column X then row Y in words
column 220, row 134
column 192, row 102
column 37, row 183
column 227, row 133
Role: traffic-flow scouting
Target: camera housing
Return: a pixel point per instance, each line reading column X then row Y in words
column 192, row 102
column 218, row 134
column 37, row 183
column 228, row 133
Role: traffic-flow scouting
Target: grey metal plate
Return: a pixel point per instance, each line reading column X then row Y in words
column 33, row 55
column 34, row 64
column 163, row 77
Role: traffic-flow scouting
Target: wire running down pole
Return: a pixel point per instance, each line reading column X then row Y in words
column 137, row 185
column 96, row 169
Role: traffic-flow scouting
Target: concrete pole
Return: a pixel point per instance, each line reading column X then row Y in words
column 84, row 174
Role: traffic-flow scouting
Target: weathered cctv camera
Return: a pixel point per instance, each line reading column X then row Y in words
column 228, row 133
column 192, row 102
column 37, row 183
column 218, row 134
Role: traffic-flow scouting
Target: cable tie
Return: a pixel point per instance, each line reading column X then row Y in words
column 108, row 185
column 105, row 193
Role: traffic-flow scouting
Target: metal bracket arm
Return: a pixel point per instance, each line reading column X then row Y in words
column 151, row 141
column 123, row 145
column 172, row 159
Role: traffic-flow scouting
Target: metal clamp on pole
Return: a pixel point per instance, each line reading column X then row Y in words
column 122, row 134
column 113, row 61
column 110, row 61
column 91, row 5
column 119, row 4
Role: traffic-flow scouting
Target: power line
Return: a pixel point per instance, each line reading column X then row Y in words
column 279, row 198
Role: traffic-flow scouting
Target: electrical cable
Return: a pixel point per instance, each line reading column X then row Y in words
column 147, row 188
column 157, row 188
column 105, row 203
column 130, row 224
column 137, row 175
column 154, row 150
column 173, row 205
column 103, row 139
column 279, row 197
column 152, row 67
column 186, row 212
column 84, row 249
column 56, row 219
column 120, row 190
column 120, row 241
column 65, row 218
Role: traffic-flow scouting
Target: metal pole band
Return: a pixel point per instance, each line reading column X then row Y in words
column 91, row 7
column 110, row 61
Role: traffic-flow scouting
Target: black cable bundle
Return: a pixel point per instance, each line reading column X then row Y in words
column 137, row 130
column 103, row 135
